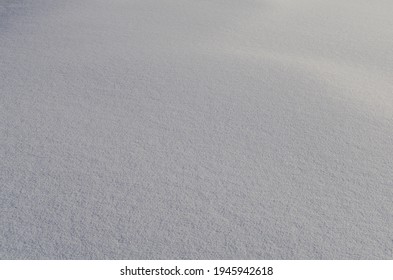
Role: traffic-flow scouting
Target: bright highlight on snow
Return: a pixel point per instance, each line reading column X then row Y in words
column 196, row 129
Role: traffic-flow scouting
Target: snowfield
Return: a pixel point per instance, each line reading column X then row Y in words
column 196, row 129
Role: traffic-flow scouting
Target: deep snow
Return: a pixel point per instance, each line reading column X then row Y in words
column 183, row 129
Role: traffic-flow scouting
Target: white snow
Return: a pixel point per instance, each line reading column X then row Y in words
column 196, row 129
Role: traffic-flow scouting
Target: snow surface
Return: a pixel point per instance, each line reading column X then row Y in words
column 196, row 129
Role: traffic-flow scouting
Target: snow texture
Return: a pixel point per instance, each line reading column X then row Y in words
column 196, row 129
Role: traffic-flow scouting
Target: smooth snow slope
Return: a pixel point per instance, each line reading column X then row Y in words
column 234, row 129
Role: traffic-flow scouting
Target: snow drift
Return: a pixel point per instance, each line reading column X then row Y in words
column 196, row 129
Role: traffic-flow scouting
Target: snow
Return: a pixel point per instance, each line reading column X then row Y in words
column 196, row 129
